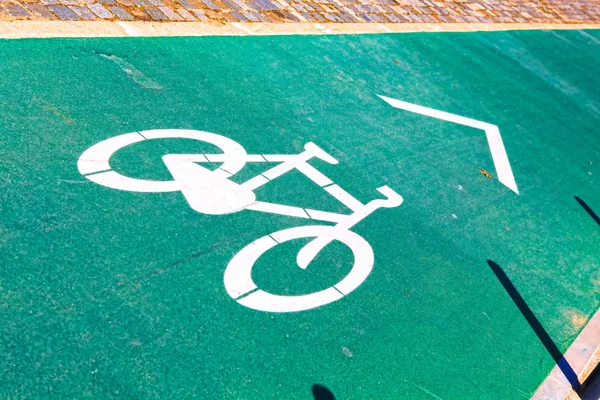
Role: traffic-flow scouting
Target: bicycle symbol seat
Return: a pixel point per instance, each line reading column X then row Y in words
column 212, row 192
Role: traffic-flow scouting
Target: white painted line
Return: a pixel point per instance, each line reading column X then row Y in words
column 115, row 180
column 280, row 209
column 385, row 28
column 243, row 28
column 358, row 275
column 255, row 182
column 246, row 294
column 344, row 197
column 583, row 356
column 393, row 199
column 192, row 158
column 499, row 156
column 98, row 172
column 96, row 158
column 238, row 275
column 215, row 157
column 129, row 29
column 323, row 29
column 263, row 301
column 312, row 150
column 277, row 157
column 224, row 157
column 206, row 191
column 314, row 174
column 593, row 39
column 325, row 216
column 226, row 174
column 255, row 158
column 281, row 169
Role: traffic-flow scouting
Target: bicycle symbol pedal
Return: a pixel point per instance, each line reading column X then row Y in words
column 212, row 192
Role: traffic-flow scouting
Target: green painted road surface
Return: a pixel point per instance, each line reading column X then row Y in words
column 108, row 293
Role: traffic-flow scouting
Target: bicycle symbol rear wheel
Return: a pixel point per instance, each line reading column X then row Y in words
column 241, row 287
column 94, row 162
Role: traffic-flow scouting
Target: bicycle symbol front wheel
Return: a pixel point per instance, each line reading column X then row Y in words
column 241, row 287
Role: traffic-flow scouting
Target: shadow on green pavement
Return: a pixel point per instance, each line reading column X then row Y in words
column 588, row 209
column 535, row 324
column 322, row 393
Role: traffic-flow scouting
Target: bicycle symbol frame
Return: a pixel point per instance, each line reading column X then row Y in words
column 211, row 192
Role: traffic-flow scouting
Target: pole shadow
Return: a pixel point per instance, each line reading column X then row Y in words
column 588, row 209
column 322, row 393
column 535, row 324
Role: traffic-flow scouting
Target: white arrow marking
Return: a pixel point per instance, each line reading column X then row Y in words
column 499, row 156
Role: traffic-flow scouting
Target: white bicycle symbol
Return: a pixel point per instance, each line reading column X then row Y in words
column 211, row 192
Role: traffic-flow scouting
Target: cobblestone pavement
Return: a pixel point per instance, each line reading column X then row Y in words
column 402, row 11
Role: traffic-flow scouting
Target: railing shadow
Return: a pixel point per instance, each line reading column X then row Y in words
column 322, row 393
column 536, row 325
column 588, row 210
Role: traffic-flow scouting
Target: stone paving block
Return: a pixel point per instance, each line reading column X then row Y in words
column 186, row 14
column 16, row 10
column 100, row 11
column 253, row 5
column 291, row 16
column 186, row 4
column 211, row 15
column 239, row 16
column 307, row 16
column 170, row 13
column 399, row 19
column 298, row 6
column 121, row 13
column 64, row 13
column 199, row 14
column 250, row 17
column 308, row 7
column 170, row 3
column 156, row 14
column 240, row 3
column 210, row 4
column 344, row 17
column 227, row 17
column 195, row 4
column 259, row 16
column 232, row 5
column 39, row 10
column 318, row 17
column 83, row 12
column 267, row 5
